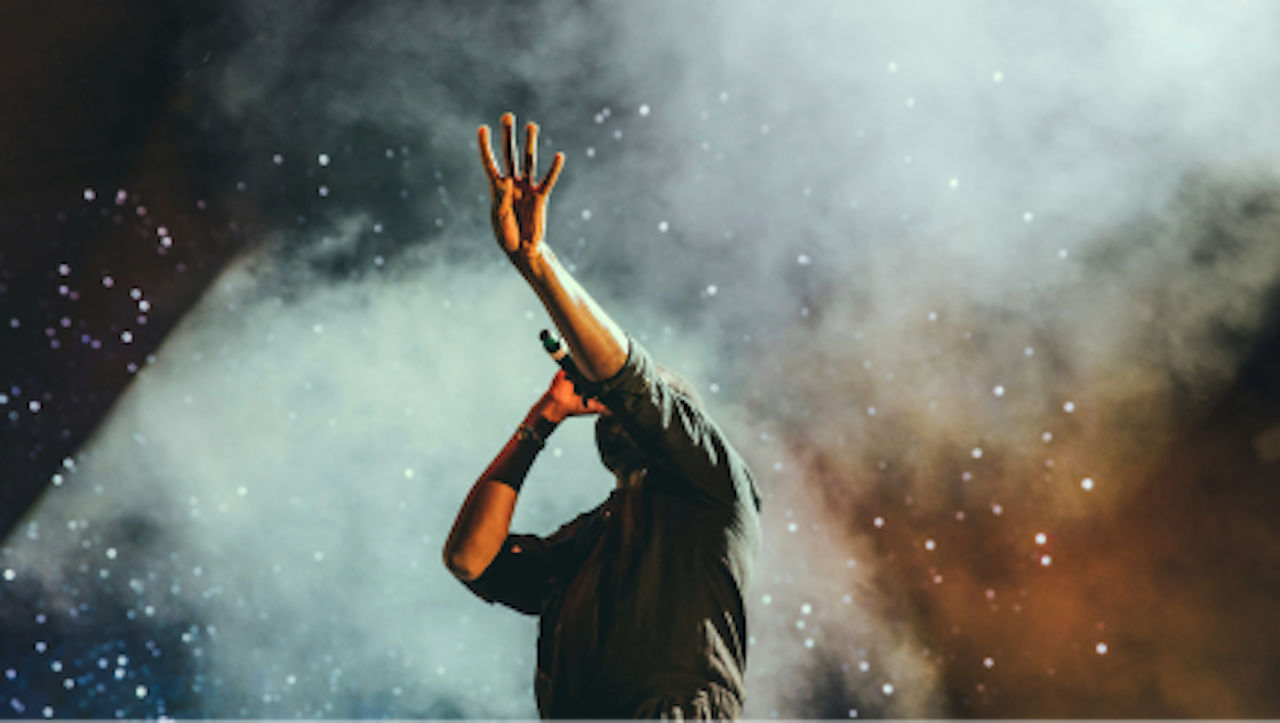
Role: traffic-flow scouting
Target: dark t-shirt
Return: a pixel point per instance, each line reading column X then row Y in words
column 641, row 599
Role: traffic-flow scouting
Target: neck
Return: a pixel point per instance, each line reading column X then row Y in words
column 631, row 477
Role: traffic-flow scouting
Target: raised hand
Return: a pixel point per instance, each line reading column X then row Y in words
column 519, row 205
column 561, row 400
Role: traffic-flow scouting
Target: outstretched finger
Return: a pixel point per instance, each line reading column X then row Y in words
column 509, row 143
column 552, row 174
column 486, row 155
column 530, row 150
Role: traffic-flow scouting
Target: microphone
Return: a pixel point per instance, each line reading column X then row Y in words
column 559, row 351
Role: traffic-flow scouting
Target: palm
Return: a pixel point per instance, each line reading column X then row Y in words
column 518, row 203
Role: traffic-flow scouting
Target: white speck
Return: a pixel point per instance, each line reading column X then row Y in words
column 663, row 226
column 930, row 545
column 711, row 290
column 89, row 194
column 800, row 625
column 871, row 411
column 63, row 269
column 47, row 711
column 377, row 228
column 135, row 293
column 803, row 260
column 242, row 491
column 1046, row 560
column 617, row 134
column 34, row 405
column 933, row 316
column 126, row 336
column 111, row 553
column 9, row 574
column 1086, row 483
column 853, row 712
column 318, row 328
column 808, row 642
column 1028, row 217
column 892, row 67
column 1101, row 648
column 291, row 679
column 323, row 191
column 791, row 527
column 998, row 391
column 1062, row 253
column 997, row 77
column 878, row 522
column 277, row 159
column 988, row 662
column 976, row 452
column 1041, row 538
column 408, row 473
column 1046, row 437
column 1028, row 351
column 41, row 646
column 887, row 688
column 997, row 509
column 990, row 594
column 586, row 214
column 715, row 388
column 724, row 96
column 805, row 609
column 108, row 282
column 591, row 152
column 140, row 691
column 644, row 109
column 954, row 183
column 1069, row 407
column 766, row 599
column 323, row 159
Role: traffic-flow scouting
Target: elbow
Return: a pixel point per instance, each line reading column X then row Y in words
column 461, row 565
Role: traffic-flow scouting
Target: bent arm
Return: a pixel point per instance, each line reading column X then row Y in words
column 484, row 520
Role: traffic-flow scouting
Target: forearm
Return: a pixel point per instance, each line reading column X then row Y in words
column 485, row 518
column 598, row 344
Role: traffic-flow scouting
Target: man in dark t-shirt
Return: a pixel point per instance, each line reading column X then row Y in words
column 641, row 598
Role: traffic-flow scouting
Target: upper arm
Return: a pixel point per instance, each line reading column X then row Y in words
column 677, row 428
column 518, row 575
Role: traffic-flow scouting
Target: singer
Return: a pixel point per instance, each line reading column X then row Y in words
column 640, row 600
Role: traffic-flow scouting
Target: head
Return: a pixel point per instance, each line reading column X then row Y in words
column 619, row 452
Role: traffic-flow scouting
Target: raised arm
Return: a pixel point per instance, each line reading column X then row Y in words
column 598, row 344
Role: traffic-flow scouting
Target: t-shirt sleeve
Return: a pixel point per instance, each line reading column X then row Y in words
column 677, row 429
column 518, row 575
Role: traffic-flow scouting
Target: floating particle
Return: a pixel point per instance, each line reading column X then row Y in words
column 121, row 197
column 990, row 594
column 792, row 527
column 998, row 391
column 724, row 96
column 711, row 290
column 111, row 553
column 933, row 316
column 887, row 688
column 323, row 191
column 1062, row 253
column 930, row 545
column 806, row 608
column 591, row 152
column 766, row 599
column 1046, row 437
column 864, row 666
column 34, row 405
column 1086, row 483
column 408, row 473
column 586, row 214
column 144, row 305
column 1100, row 648
column 89, row 194
column 277, row 159
column 1041, row 538
column 976, row 452
column 140, row 691
column 135, row 293
column 871, row 411
column 910, row 102
column 126, row 336
column 892, row 67
column 1046, row 560
column 988, row 662
column 878, row 522
column 953, row 184
column 1028, row 217
column 108, row 282
column 1029, row 351
column 9, row 574
column 997, row 509
column 644, row 109
column 997, row 77
column 1069, row 407
column 808, row 642
column 323, row 159
column 663, row 226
